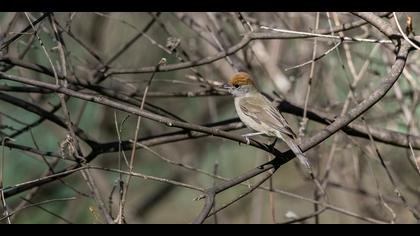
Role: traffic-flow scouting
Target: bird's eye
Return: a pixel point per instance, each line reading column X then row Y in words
column 236, row 85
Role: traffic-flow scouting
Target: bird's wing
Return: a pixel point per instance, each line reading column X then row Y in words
column 261, row 109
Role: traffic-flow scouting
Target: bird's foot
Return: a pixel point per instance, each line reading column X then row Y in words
column 248, row 142
column 246, row 136
column 271, row 146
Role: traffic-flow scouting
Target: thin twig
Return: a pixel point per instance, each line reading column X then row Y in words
column 304, row 121
column 120, row 216
column 38, row 204
column 413, row 159
column 314, row 59
column 215, row 168
column 27, row 28
column 344, row 39
column 3, row 199
column 392, row 180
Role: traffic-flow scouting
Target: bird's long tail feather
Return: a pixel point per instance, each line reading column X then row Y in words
column 296, row 150
column 302, row 158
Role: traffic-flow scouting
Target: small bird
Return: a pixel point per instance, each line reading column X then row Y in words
column 259, row 114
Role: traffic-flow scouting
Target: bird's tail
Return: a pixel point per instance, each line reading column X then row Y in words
column 296, row 150
column 302, row 158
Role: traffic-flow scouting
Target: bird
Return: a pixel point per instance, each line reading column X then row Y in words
column 260, row 114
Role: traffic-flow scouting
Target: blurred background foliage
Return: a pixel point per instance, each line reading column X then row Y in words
column 358, row 182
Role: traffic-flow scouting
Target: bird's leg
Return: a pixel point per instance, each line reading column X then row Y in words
column 271, row 146
column 246, row 136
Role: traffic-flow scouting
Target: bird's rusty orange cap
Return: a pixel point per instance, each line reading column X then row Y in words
column 241, row 78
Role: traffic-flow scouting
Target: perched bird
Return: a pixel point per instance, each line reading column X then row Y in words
column 259, row 114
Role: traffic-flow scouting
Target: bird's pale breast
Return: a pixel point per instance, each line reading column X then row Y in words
column 253, row 123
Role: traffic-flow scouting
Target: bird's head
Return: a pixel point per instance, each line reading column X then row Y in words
column 240, row 84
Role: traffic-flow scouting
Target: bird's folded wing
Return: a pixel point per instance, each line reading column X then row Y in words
column 261, row 110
